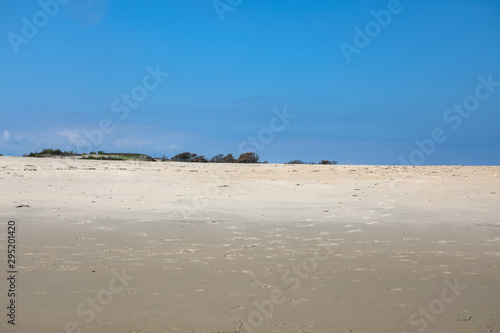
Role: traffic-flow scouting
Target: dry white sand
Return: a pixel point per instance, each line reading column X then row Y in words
column 250, row 248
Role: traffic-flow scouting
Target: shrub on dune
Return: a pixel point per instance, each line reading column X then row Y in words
column 249, row 157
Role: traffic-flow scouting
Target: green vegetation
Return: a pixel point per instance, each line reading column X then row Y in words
column 118, row 157
column 295, row 162
column 249, row 157
column 51, row 152
column 217, row 159
column 100, row 155
column 184, row 157
column 324, row 162
column 220, row 158
column 229, row 158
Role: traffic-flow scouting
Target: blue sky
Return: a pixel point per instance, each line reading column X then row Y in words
column 234, row 66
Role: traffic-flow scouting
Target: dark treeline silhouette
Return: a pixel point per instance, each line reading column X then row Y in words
column 324, row 162
column 248, row 157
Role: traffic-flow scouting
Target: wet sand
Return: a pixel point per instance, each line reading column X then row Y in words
column 107, row 246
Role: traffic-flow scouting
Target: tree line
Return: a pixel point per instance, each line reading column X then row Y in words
column 248, row 157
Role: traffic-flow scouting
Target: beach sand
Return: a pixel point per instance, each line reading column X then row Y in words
column 110, row 246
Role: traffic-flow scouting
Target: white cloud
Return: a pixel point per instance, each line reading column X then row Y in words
column 6, row 136
column 73, row 136
column 174, row 147
column 19, row 139
column 123, row 143
column 143, row 142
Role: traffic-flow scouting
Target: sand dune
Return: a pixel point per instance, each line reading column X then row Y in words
column 108, row 246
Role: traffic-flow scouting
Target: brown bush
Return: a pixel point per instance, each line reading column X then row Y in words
column 199, row 159
column 184, row 157
column 229, row 158
column 249, row 157
column 326, row 162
